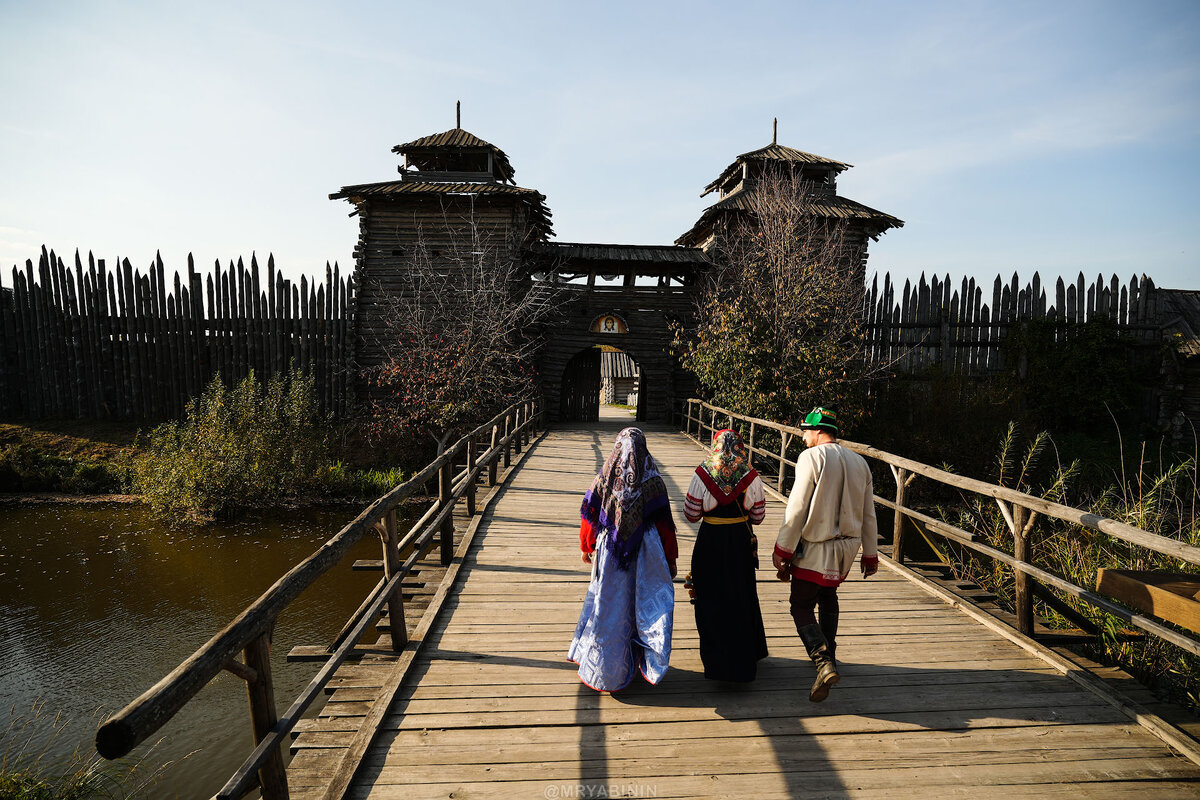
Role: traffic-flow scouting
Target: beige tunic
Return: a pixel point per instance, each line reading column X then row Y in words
column 832, row 512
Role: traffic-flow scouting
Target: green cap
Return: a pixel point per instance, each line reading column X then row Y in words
column 820, row 419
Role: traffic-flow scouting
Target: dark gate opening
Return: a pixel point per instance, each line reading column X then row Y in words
column 580, row 397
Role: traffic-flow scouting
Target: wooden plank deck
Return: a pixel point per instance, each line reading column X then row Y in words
column 931, row 703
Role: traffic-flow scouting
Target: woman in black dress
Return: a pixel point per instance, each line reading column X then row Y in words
column 726, row 497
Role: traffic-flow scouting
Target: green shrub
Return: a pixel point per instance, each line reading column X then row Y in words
column 249, row 446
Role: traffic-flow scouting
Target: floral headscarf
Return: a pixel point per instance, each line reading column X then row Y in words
column 727, row 472
column 627, row 496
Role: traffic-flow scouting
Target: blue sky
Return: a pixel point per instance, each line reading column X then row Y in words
column 1010, row 136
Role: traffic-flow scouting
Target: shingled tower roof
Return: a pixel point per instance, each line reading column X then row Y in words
column 450, row 150
column 736, row 184
column 779, row 153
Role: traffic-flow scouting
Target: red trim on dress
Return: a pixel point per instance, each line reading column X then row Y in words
column 723, row 498
column 814, row 577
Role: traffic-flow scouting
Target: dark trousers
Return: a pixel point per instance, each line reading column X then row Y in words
column 807, row 596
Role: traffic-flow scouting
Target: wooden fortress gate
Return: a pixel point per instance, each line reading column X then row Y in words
column 618, row 298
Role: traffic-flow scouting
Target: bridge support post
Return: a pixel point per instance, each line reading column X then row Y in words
column 263, row 715
column 445, row 477
column 901, row 476
column 391, row 563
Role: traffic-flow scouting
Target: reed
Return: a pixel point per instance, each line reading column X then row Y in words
column 1158, row 495
column 39, row 762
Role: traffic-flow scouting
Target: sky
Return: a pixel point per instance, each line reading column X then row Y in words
column 1057, row 137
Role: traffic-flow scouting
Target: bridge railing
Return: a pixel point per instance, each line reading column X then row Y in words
column 482, row 452
column 1020, row 511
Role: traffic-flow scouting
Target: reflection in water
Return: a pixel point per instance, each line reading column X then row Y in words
column 97, row 603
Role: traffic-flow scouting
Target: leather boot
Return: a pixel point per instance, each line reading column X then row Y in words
column 828, row 620
column 818, row 651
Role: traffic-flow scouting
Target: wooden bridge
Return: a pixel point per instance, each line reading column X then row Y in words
column 478, row 700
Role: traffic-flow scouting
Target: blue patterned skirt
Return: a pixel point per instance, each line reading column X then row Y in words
column 627, row 617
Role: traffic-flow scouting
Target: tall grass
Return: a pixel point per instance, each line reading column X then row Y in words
column 32, row 769
column 1160, row 497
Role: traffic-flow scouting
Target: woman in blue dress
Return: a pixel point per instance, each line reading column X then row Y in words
column 627, row 534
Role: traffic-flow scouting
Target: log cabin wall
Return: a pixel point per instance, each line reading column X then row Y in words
column 390, row 235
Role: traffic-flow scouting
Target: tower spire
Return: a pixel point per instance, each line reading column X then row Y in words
column 774, row 129
column 458, row 114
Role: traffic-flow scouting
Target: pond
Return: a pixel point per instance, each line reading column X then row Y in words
column 98, row 602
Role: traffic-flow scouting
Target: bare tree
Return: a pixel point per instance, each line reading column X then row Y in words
column 780, row 325
column 464, row 321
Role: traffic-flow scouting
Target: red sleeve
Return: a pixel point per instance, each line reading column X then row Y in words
column 666, row 532
column 587, row 537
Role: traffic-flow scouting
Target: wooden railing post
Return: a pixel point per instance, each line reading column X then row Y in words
column 901, row 476
column 517, row 421
column 494, row 463
column 751, row 451
column 471, row 476
column 784, row 440
column 1022, row 551
column 507, row 440
column 391, row 563
column 263, row 716
column 445, row 477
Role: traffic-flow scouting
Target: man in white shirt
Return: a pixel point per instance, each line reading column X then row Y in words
column 830, row 515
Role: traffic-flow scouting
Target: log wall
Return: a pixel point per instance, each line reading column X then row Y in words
column 392, row 233
column 934, row 324
column 90, row 341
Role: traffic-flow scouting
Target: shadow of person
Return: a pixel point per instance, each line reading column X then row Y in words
column 986, row 726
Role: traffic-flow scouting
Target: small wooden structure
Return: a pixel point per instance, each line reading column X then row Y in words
column 619, row 377
column 1173, row 596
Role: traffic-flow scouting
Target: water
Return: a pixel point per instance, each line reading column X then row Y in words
column 98, row 602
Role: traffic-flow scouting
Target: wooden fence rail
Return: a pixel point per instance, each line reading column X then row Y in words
column 94, row 342
column 1019, row 510
column 481, row 451
column 933, row 324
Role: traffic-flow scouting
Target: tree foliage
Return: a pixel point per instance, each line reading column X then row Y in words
column 779, row 327
column 246, row 446
column 462, row 331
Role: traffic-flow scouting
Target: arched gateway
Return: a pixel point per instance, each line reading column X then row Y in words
column 456, row 203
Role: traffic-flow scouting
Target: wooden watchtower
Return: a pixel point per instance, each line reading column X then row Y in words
column 455, row 191
column 737, row 183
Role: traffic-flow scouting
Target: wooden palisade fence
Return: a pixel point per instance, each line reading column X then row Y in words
column 483, row 453
column 94, row 342
column 933, row 324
